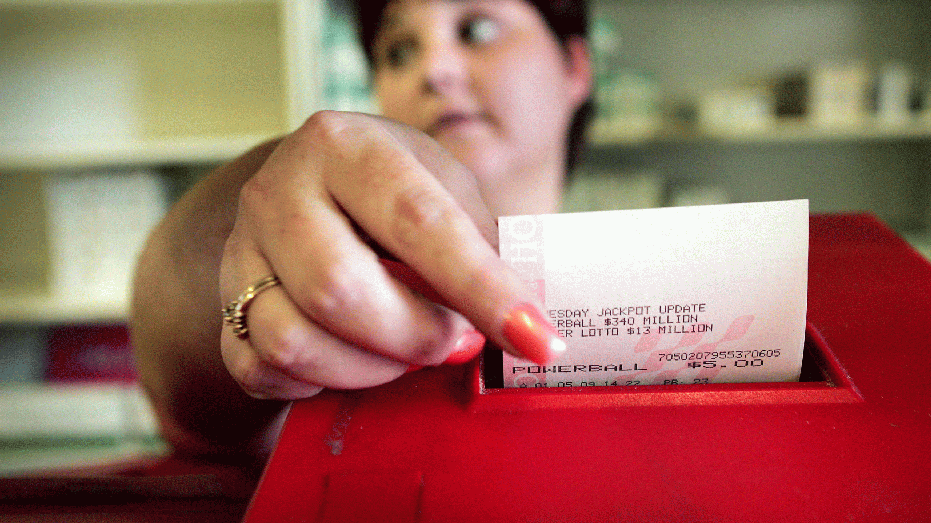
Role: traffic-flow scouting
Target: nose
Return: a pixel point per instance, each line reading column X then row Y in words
column 443, row 67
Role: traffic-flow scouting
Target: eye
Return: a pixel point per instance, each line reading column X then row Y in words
column 478, row 30
column 399, row 53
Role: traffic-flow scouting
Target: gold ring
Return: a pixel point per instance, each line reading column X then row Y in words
column 234, row 314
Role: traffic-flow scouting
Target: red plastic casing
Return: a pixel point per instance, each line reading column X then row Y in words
column 850, row 444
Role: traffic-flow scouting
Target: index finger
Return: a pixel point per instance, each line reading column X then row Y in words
column 406, row 209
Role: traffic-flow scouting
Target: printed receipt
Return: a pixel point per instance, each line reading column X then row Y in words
column 686, row 295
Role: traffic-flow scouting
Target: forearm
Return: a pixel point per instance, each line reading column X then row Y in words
column 176, row 322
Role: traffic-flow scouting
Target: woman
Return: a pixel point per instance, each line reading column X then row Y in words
column 478, row 97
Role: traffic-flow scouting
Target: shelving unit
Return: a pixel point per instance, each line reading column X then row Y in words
column 783, row 130
column 690, row 48
column 140, row 81
column 104, row 85
column 106, row 88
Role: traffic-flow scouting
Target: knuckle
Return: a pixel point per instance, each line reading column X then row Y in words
column 253, row 196
column 336, row 291
column 262, row 211
column 282, row 349
column 327, row 127
column 419, row 209
column 433, row 346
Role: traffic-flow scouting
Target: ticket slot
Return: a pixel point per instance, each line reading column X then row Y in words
column 822, row 380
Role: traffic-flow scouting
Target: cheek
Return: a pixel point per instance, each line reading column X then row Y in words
column 392, row 101
column 534, row 98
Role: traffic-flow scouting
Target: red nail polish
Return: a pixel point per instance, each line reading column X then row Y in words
column 531, row 335
column 467, row 347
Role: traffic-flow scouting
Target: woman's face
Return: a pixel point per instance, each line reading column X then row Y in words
column 491, row 83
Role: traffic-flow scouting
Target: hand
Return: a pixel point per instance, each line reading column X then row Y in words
column 337, row 193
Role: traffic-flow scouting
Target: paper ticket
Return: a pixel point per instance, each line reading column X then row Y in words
column 684, row 295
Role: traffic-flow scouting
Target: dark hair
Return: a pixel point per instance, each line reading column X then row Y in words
column 566, row 18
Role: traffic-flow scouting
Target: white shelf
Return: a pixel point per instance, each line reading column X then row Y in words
column 795, row 131
column 95, row 153
column 76, row 426
column 40, row 309
column 91, row 456
column 76, row 410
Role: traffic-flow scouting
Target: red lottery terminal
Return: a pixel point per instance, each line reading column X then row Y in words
column 848, row 442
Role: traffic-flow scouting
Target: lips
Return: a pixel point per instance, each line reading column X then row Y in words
column 455, row 120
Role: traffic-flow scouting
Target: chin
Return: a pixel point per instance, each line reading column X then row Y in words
column 485, row 161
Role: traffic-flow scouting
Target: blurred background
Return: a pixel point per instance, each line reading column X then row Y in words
column 109, row 109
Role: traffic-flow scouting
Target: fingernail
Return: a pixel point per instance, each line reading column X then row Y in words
column 467, row 347
column 531, row 335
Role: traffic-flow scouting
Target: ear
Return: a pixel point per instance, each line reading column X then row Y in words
column 579, row 69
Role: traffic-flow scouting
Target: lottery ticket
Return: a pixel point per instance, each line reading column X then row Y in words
column 683, row 295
